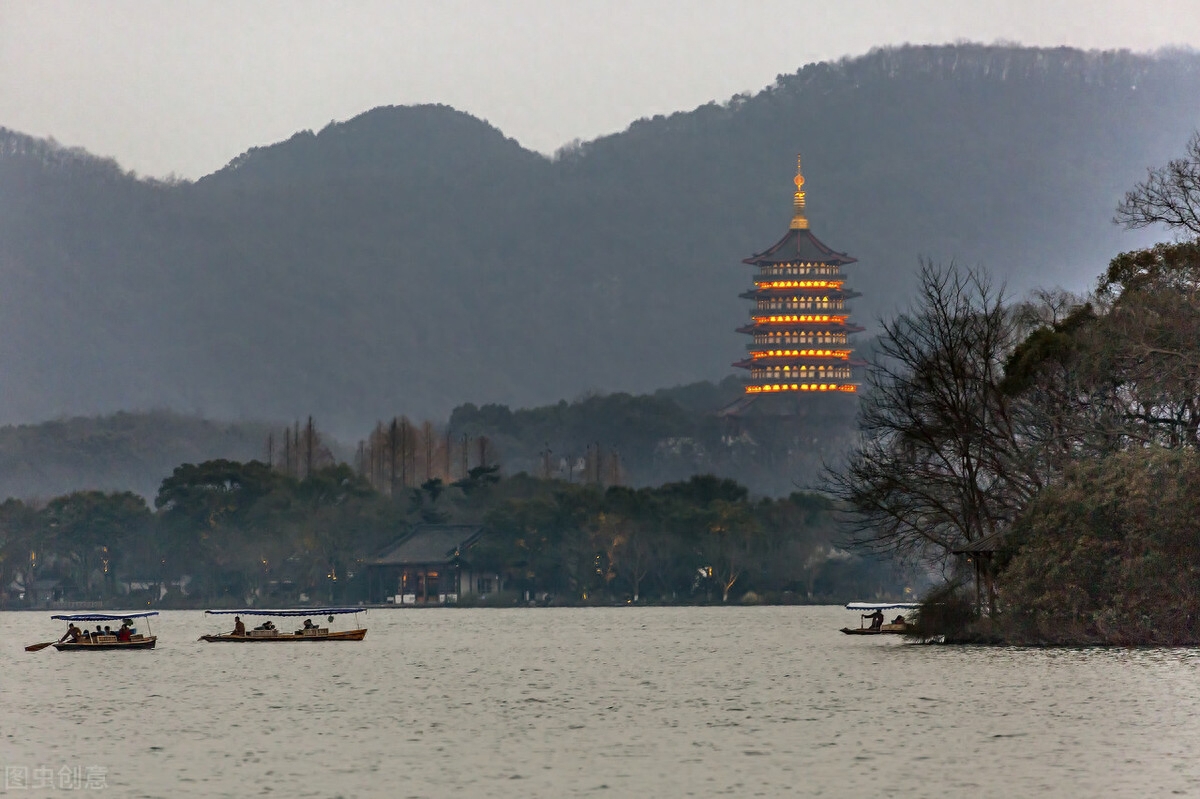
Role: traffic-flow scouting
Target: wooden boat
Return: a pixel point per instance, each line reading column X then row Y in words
column 887, row 628
column 879, row 607
column 263, row 636
column 107, row 642
column 312, row 634
column 96, row 643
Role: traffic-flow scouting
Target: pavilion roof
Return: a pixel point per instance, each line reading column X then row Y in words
column 799, row 246
column 430, row 543
column 989, row 543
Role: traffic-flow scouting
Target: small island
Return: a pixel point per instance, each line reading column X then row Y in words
column 1044, row 452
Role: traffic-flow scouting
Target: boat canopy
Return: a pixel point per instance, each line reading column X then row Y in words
column 300, row 612
column 106, row 616
column 883, row 605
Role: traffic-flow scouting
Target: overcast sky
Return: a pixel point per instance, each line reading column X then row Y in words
column 184, row 87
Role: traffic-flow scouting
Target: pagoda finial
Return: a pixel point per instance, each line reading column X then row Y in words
column 799, row 220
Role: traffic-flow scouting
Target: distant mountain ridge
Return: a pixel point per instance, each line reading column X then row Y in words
column 120, row 452
column 414, row 258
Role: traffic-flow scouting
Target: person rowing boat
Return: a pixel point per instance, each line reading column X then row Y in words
column 73, row 632
column 878, row 620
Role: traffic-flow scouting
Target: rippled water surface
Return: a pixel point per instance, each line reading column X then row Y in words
column 598, row 702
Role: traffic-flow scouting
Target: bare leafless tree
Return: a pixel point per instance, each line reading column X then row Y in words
column 311, row 443
column 429, row 439
column 1169, row 195
column 940, row 461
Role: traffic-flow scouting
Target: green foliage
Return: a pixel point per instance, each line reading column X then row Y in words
column 478, row 479
column 1057, row 343
column 948, row 613
column 242, row 533
column 1110, row 556
column 1163, row 266
column 668, row 437
column 702, row 539
column 214, row 491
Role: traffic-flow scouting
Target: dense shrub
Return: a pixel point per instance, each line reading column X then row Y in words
column 1111, row 555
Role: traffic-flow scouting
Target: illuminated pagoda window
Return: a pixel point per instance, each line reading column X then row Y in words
column 799, row 323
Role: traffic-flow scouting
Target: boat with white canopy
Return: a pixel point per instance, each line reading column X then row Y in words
column 267, row 631
column 879, row 623
column 82, row 640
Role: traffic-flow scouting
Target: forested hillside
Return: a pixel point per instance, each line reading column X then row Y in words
column 120, row 452
column 611, row 439
column 413, row 259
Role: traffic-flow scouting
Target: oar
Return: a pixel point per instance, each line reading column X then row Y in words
column 39, row 647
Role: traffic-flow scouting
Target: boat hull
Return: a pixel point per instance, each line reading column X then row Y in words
column 888, row 629
column 83, row 646
column 347, row 635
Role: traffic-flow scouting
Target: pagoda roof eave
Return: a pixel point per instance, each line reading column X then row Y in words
column 799, row 246
column 846, row 327
column 756, row 347
column 841, row 294
column 810, row 360
column 764, row 281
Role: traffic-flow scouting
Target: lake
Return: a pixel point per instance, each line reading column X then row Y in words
column 604, row 702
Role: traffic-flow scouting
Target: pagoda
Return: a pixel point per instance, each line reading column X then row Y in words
column 799, row 321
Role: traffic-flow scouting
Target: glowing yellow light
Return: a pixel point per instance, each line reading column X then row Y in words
column 839, row 319
column 799, row 222
column 800, row 284
column 848, row 388
column 759, row 354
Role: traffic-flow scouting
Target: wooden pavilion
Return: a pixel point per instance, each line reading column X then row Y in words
column 430, row 565
column 981, row 554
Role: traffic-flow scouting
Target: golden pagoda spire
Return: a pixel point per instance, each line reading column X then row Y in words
column 799, row 220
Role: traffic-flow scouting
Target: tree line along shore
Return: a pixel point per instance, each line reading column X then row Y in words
column 226, row 533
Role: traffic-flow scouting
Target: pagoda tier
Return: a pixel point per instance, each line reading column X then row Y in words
column 799, row 322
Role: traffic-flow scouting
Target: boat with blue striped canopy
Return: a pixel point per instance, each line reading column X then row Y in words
column 268, row 633
column 125, row 637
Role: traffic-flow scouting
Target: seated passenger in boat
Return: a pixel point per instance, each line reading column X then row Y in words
column 73, row 632
column 899, row 620
column 239, row 626
column 308, row 625
column 125, row 634
column 266, row 625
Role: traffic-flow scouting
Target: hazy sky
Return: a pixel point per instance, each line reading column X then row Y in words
column 184, row 87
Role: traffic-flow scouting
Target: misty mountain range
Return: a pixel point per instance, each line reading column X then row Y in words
column 414, row 258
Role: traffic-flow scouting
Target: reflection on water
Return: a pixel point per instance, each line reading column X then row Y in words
column 599, row 702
